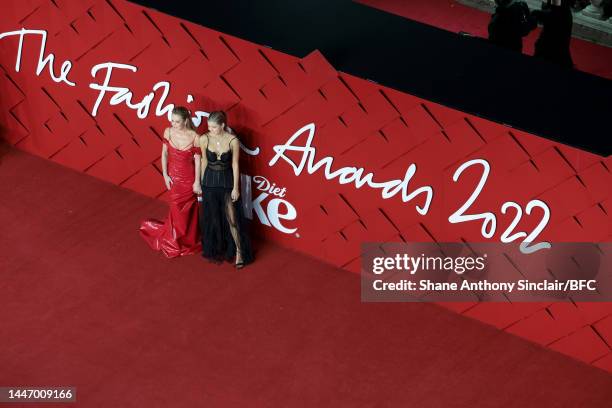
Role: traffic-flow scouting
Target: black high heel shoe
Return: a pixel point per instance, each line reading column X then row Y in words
column 239, row 265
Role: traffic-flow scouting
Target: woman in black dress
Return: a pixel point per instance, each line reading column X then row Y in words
column 224, row 235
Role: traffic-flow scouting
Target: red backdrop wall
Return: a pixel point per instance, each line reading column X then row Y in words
column 269, row 97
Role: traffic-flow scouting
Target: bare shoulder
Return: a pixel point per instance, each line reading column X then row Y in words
column 203, row 140
column 167, row 133
column 193, row 134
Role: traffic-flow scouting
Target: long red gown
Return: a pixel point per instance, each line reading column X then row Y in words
column 179, row 234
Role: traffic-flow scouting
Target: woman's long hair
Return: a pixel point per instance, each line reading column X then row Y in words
column 184, row 113
column 220, row 118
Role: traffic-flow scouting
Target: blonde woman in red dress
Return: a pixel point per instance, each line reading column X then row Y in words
column 179, row 233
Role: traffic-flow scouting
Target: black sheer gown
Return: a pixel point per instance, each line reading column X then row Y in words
column 222, row 222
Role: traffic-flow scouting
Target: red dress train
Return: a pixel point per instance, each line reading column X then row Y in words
column 179, row 233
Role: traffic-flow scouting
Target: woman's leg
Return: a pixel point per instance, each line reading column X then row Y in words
column 232, row 221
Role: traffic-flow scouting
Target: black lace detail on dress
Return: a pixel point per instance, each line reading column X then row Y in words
column 224, row 227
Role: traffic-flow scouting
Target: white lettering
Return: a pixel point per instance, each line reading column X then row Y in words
column 348, row 174
column 270, row 215
column 275, row 216
column 264, row 184
column 42, row 59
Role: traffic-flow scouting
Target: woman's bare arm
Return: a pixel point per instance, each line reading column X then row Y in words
column 197, row 157
column 235, row 146
column 164, row 160
column 203, row 143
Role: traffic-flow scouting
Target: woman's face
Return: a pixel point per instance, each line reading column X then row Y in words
column 177, row 121
column 215, row 128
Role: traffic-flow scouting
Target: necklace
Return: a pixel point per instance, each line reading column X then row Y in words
column 218, row 143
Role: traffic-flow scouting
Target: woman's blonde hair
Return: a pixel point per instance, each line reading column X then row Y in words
column 184, row 113
column 218, row 117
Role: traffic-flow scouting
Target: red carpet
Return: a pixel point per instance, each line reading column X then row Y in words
column 453, row 16
column 85, row 303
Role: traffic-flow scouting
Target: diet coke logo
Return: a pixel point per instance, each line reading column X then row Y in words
column 267, row 203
